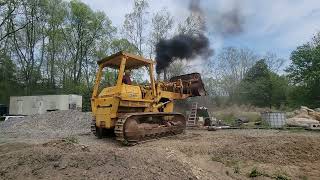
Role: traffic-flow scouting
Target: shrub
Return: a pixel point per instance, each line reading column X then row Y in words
column 71, row 140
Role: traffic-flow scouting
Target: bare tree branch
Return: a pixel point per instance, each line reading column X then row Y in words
column 14, row 31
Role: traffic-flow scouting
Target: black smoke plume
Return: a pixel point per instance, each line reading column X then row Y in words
column 223, row 21
column 181, row 47
column 184, row 46
column 228, row 22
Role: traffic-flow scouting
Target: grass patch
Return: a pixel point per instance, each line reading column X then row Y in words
column 71, row 140
column 295, row 129
column 233, row 164
column 303, row 177
column 264, row 124
column 229, row 117
column 255, row 173
column 217, row 159
column 236, row 169
column 281, row 177
column 2, row 118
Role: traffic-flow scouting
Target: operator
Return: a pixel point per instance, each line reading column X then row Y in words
column 126, row 78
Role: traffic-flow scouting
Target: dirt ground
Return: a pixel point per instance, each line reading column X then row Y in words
column 196, row 154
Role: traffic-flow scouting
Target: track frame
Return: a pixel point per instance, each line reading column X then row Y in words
column 164, row 130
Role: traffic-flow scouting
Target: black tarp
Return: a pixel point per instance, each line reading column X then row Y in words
column 3, row 109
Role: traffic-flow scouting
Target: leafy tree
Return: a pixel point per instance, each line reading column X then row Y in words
column 55, row 15
column 230, row 68
column 8, row 79
column 28, row 43
column 85, row 28
column 279, row 90
column 274, row 63
column 123, row 45
column 192, row 25
column 135, row 24
column 54, row 45
column 256, row 87
column 262, row 87
column 304, row 73
column 162, row 23
column 176, row 68
column 297, row 96
column 8, row 9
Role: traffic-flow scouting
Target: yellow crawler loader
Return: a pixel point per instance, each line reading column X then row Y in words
column 138, row 112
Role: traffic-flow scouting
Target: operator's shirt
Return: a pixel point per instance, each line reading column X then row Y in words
column 126, row 80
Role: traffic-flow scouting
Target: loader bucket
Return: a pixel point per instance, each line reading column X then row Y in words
column 191, row 83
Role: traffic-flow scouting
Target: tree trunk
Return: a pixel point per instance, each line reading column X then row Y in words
column 165, row 74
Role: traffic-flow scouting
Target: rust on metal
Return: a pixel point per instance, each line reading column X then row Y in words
column 191, row 83
column 138, row 127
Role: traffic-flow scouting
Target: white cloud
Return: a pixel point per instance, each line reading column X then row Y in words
column 291, row 20
column 116, row 9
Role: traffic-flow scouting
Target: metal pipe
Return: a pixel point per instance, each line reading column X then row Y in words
column 162, row 104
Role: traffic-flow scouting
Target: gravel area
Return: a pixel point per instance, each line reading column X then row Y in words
column 49, row 125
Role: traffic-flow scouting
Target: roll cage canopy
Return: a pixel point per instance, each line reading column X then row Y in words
column 132, row 61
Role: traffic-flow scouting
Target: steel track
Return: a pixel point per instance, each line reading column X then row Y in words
column 120, row 128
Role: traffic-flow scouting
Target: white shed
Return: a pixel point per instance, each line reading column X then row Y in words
column 29, row 105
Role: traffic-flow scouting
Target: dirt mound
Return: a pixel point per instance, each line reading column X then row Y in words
column 283, row 151
column 272, row 152
column 64, row 160
column 256, row 146
column 49, row 125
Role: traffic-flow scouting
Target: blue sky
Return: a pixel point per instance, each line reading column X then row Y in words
column 277, row 26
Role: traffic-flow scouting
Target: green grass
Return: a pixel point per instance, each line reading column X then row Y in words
column 303, row 177
column 71, row 140
column 229, row 117
column 217, row 159
column 295, row 129
column 281, row 177
column 255, row 173
column 236, row 169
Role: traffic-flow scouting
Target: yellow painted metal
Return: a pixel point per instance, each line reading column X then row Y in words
column 121, row 71
column 95, row 89
column 169, row 107
column 111, row 102
column 153, row 86
column 130, row 92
